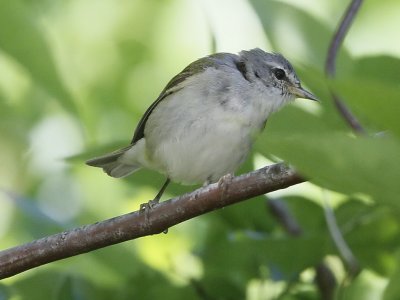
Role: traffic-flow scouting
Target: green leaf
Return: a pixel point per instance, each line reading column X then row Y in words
column 251, row 252
column 308, row 214
column 366, row 286
column 4, row 292
column 286, row 25
column 258, row 217
column 345, row 164
column 378, row 101
column 291, row 120
column 378, row 68
column 392, row 290
column 22, row 39
column 333, row 159
column 27, row 287
column 284, row 263
column 372, row 232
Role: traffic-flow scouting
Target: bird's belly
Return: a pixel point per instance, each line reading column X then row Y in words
column 204, row 152
column 195, row 136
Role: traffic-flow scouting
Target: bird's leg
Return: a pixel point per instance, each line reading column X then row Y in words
column 149, row 205
column 146, row 207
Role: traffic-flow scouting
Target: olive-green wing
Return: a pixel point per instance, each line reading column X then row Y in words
column 196, row 67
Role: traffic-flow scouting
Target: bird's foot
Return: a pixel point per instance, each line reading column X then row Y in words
column 224, row 183
column 225, row 180
column 146, row 208
column 148, row 205
column 207, row 182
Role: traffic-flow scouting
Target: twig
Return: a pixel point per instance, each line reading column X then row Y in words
column 281, row 213
column 330, row 70
column 330, row 64
column 326, row 281
column 337, row 40
column 344, row 250
column 351, row 120
column 200, row 290
column 133, row 225
column 324, row 277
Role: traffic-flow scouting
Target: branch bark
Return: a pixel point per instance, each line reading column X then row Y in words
column 137, row 224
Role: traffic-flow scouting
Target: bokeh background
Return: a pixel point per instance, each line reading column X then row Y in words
column 75, row 77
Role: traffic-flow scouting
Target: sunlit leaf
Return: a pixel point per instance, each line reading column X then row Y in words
column 286, row 25
column 392, row 290
column 22, row 38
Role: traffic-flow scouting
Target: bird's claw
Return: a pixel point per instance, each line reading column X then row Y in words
column 146, row 208
column 224, row 182
column 148, row 205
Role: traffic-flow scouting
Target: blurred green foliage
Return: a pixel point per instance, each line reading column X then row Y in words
column 75, row 77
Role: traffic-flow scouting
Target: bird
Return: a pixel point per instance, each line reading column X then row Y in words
column 204, row 122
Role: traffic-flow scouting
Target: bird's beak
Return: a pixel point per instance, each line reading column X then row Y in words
column 299, row 92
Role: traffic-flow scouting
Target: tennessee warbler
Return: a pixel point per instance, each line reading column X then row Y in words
column 203, row 124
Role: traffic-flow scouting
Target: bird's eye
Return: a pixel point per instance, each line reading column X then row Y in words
column 279, row 73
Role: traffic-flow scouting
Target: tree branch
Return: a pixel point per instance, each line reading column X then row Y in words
column 137, row 224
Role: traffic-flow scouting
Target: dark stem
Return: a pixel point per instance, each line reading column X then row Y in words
column 351, row 120
column 330, row 64
column 330, row 69
column 337, row 40
column 278, row 209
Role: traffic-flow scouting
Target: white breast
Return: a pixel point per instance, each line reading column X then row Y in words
column 199, row 134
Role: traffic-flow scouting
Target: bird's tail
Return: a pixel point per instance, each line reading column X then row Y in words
column 111, row 164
